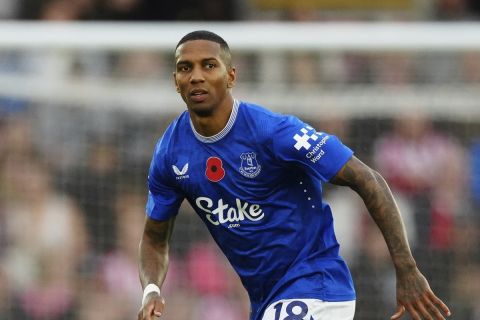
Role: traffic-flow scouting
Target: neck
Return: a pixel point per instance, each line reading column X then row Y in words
column 210, row 125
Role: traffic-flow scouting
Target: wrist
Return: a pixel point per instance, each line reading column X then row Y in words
column 150, row 288
column 405, row 265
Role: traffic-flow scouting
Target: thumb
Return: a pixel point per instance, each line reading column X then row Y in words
column 398, row 313
column 158, row 308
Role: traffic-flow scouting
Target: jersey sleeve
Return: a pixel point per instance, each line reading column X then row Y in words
column 319, row 153
column 164, row 197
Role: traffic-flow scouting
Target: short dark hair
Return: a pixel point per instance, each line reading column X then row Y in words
column 209, row 36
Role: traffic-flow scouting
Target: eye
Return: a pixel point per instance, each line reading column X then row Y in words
column 210, row 65
column 183, row 68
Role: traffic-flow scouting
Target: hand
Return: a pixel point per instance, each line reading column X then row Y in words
column 415, row 296
column 153, row 307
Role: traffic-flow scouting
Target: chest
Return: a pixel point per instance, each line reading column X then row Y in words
column 245, row 169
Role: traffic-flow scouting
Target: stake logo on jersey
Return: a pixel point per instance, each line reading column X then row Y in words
column 214, row 171
column 249, row 166
column 316, row 152
column 230, row 215
column 181, row 174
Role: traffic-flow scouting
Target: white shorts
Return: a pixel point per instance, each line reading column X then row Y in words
column 310, row 309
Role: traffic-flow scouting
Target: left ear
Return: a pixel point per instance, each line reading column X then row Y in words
column 232, row 76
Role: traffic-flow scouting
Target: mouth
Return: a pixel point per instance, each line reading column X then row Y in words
column 198, row 95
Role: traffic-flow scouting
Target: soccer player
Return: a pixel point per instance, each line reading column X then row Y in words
column 255, row 179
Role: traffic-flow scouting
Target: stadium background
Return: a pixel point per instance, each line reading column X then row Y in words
column 83, row 101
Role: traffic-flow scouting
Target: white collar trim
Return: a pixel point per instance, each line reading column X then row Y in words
column 224, row 131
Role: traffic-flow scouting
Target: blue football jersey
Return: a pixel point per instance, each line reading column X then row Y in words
column 257, row 186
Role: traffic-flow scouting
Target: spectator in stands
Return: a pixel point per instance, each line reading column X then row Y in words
column 7, row 302
column 60, row 10
column 413, row 154
column 128, row 10
column 114, row 274
column 16, row 135
column 454, row 10
column 426, row 166
column 46, row 238
column 94, row 186
column 304, row 70
column 466, row 275
column 66, row 10
column 215, row 284
column 466, row 290
column 373, row 274
column 197, row 10
column 393, row 69
column 117, row 10
column 144, row 65
column 470, row 67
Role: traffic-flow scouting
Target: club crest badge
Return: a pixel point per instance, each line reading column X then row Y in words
column 249, row 166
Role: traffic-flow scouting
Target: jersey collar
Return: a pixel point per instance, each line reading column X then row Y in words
column 224, row 131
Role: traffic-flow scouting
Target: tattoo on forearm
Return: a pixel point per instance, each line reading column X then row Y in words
column 379, row 201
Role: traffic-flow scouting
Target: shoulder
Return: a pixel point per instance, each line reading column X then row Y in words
column 172, row 137
column 266, row 118
column 166, row 148
column 173, row 133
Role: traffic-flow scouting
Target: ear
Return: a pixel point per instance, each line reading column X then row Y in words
column 175, row 81
column 232, row 76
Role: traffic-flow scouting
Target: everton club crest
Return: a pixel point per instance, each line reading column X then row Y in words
column 249, row 167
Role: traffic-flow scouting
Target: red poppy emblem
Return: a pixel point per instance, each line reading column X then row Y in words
column 214, row 171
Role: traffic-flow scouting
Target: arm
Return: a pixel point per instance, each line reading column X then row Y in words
column 413, row 291
column 154, row 263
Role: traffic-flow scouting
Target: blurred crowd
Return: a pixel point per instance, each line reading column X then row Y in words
column 73, row 178
column 229, row 10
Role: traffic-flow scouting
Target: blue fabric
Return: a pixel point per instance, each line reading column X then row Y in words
column 266, row 212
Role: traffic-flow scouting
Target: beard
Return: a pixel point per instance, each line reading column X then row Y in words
column 203, row 112
column 199, row 109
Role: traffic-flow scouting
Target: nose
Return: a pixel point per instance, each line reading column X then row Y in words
column 196, row 76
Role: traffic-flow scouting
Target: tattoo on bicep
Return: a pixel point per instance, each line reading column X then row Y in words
column 353, row 175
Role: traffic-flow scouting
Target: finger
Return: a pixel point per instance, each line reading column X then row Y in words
column 423, row 311
column 432, row 308
column 398, row 313
column 439, row 303
column 413, row 313
column 148, row 312
column 158, row 309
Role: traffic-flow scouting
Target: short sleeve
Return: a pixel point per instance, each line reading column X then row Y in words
column 164, row 197
column 319, row 153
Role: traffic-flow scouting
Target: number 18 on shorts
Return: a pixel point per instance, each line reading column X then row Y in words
column 310, row 309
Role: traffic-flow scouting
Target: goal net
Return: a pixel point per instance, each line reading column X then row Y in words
column 82, row 106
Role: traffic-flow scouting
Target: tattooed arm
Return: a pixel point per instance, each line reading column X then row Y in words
column 154, row 263
column 413, row 291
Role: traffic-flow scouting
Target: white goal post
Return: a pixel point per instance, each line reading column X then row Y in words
column 266, row 39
